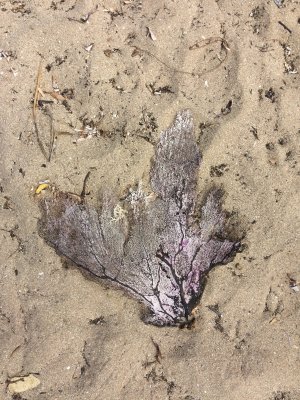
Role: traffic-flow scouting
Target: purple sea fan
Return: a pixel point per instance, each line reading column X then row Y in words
column 156, row 249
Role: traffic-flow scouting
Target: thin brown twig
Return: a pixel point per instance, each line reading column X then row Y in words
column 35, row 102
column 36, row 92
column 83, row 192
column 198, row 45
column 52, row 135
column 158, row 355
column 47, row 154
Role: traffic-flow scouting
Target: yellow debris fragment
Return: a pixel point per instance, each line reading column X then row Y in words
column 20, row 384
column 41, row 187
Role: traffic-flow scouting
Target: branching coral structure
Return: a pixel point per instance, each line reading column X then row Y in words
column 157, row 248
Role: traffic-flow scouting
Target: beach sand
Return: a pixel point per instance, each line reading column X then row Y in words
column 112, row 76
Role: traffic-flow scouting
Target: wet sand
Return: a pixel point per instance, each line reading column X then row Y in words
column 112, row 78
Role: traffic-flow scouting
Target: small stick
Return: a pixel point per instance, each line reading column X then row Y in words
column 158, row 355
column 52, row 136
column 35, row 102
column 284, row 26
column 36, row 92
column 83, row 192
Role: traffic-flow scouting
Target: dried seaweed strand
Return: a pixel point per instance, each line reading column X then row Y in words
column 200, row 45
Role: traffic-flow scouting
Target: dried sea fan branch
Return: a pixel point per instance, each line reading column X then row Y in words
column 156, row 250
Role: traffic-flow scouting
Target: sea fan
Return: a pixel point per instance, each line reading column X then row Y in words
column 156, row 248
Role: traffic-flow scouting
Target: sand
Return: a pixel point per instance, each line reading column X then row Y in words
column 124, row 68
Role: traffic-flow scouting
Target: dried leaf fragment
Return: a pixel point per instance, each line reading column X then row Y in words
column 150, row 34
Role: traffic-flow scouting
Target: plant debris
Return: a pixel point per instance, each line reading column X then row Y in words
column 85, row 17
column 150, row 34
column 270, row 94
column 221, row 57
